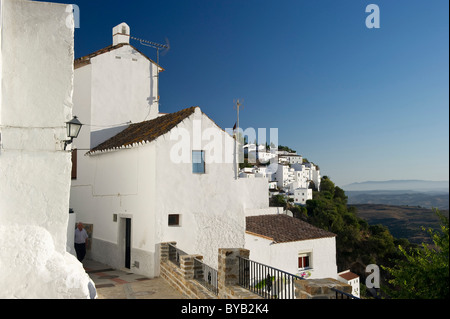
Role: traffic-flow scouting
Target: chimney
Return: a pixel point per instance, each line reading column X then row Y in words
column 121, row 34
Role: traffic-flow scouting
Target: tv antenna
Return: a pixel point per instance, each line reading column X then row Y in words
column 237, row 106
column 237, row 136
column 157, row 46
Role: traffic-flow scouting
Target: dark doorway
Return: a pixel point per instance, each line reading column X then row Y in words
column 127, row 242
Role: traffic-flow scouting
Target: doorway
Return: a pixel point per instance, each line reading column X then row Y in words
column 128, row 243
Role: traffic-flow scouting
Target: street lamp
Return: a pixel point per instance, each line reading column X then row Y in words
column 73, row 129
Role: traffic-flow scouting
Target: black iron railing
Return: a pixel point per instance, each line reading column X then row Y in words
column 343, row 295
column 266, row 281
column 206, row 276
column 174, row 254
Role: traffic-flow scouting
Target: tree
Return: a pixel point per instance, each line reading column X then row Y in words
column 326, row 185
column 277, row 201
column 339, row 193
column 424, row 273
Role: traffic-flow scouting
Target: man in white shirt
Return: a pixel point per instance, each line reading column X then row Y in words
column 81, row 240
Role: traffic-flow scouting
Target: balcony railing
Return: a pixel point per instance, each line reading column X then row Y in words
column 266, row 281
column 272, row 283
column 343, row 295
column 206, row 276
column 174, row 254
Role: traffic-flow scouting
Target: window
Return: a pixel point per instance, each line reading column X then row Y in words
column 303, row 261
column 174, row 220
column 198, row 162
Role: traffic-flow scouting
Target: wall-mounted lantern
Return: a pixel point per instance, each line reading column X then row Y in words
column 73, row 129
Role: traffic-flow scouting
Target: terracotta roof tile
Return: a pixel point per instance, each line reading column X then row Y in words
column 348, row 275
column 144, row 132
column 283, row 228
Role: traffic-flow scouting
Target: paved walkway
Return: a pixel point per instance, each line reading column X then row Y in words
column 121, row 284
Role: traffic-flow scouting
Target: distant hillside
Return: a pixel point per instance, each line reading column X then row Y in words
column 406, row 198
column 402, row 221
column 396, row 185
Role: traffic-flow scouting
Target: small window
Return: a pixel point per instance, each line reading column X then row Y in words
column 198, row 162
column 303, row 261
column 174, row 220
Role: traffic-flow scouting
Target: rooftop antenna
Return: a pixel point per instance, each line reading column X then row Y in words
column 154, row 45
column 237, row 106
column 158, row 47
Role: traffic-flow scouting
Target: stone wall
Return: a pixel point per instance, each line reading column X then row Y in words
column 182, row 278
column 319, row 288
column 228, row 273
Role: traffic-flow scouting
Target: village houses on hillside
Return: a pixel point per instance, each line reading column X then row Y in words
column 289, row 174
column 141, row 177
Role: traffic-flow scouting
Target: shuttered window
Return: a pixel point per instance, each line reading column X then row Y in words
column 74, row 163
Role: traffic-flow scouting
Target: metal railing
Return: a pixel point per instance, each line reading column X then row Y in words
column 343, row 295
column 174, row 254
column 206, row 276
column 266, row 281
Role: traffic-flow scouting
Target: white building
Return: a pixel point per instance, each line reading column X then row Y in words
column 284, row 176
column 114, row 86
column 266, row 157
column 163, row 178
column 36, row 74
column 292, row 245
column 351, row 279
column 301, row 195
column 290, row 159
column 309, row 173
column 296, row 178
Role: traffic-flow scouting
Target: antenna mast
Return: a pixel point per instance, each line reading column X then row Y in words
column 237, row 148
column 158, row 47
column 151, row 44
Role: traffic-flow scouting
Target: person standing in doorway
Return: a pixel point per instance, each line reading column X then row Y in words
column 81, row 241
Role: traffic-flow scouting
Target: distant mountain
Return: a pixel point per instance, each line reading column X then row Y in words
column 400, row 185
column 400, row 198
column 429, row 194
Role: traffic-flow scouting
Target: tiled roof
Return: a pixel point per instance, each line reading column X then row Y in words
column 283, row 228
column 348, row 275
column 86, row 59
column 144, row 132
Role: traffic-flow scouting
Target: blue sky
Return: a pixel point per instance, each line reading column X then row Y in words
column 363, row 104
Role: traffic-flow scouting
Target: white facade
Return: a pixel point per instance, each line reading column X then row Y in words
column 284, row 176
column 36, row 70
column 301, row 195
column 284, row 256
column 351, row 279
column 144, row 183
column 265, row 157
column 290, row 159
column 114, row 87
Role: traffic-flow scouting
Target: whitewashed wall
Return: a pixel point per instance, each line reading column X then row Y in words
column 142, row 183
column 284, row 256
column 36, row 73
column 212, row 205
column 124, row 88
